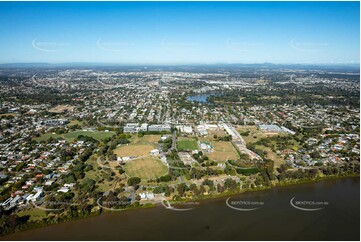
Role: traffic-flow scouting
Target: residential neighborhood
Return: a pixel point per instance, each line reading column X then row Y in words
column 122, row 139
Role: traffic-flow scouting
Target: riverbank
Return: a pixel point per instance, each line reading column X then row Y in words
column 41, row 224
column 64, row 219
column 280, row 184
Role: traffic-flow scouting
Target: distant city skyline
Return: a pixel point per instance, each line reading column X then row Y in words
column 180, row 32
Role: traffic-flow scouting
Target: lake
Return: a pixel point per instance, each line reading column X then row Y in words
column 198, row 98
column 274, row 218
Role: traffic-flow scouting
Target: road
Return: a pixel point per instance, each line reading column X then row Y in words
column 239, row 142
column 174, row 141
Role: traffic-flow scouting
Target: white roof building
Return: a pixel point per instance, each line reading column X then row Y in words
column 64, row 189
column 202, row 130
column 154, row 152
column 146, row 196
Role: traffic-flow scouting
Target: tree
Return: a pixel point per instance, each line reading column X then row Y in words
column 159, row 189
column 182, row 188
column 208, row 182
column 165, row 178
column 193, row 188
column 70, row 178
column 202, row 189
column 133, row 181
column 220, row 188
column 230, row 184
column 167, row 191
column 88, row 185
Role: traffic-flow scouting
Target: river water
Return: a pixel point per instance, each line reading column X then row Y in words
column 338, row 218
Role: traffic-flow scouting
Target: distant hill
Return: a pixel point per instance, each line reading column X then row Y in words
column 351, row 68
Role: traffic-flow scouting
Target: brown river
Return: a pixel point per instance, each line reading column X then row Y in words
column 326, row 210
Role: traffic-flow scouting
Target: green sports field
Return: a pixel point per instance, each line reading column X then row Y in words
column 187, row 145
column 98, row 135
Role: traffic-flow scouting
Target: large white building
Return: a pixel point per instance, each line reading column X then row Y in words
column 143, row 127
column 136, row 127
column 186, row 129
column 131, row 128
column 202, row 130
column 159, row 127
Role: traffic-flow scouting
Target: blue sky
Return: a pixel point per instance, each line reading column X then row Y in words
column 180, row 32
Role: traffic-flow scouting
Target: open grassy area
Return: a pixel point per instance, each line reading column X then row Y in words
column 272, row 155
column 48, row 136
column 261, row 81
column 75, row 122
column 145, row 168
column 100, row 175
column 255, row 134
column 61, row 108
column 146, row 139
column 98, row 135
column 187, row 144
column 218, row 132
column 105, row 186
column 134, row 150
column 94, row 173
column 223, row 151
column 211, row 135
column 34, row 213
column 8, row 114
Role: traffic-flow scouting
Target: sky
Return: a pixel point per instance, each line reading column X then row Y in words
column 180, row 32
